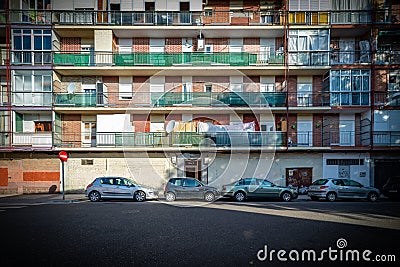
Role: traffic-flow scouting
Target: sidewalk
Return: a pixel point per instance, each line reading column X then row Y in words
column 42, row 198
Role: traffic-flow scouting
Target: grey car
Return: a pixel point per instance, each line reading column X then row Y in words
column 189, row 188
column 118, row 187
column 332, row 189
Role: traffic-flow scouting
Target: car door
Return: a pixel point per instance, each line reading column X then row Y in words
column 107, row 187
column 340, row 187
column 122, row 188
column 357, row 190
column 191, row 188
column 266, row 190
column 251, row 186
column 177, row 187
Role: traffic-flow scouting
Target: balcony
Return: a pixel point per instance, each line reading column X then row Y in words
column 309, row 17
column 27, row 139
column 359, row 98
column 387, row 16
column 31, row 57
column 340, row 138
column 383, row 57
column 232, row 99
column 32, row 99
column 338, row 57
column 309, row 58
column 165, row 59
column 176, row 139
column 391, row 98
column 351, row 17
column 386, row 138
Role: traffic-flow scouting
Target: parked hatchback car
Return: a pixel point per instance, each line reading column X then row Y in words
column 118, row 187
column 332, row 189
column 258, row 188
column 189, row 188
column 391, row 188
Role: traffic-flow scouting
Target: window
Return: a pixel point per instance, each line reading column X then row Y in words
column 308, row 47
column 27, row 41
column 394, row 80
column 267, row 183
column 42, row 126
column 304, row 92
column 125, row 88
column 338, row 182
column 89, row 162
column 190, row 183
column 208, row 88
column 350, row 87
column 345, row 162
column 32, row 88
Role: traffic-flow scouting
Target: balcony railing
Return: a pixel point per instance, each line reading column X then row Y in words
column 391, row 98
column 159, row 139
column 206, row 17
column 387, row 57
column 386, row 138
column 340, row 138
column 31, row 57
column 309, row 58
column 351, row 17
column 350, row 57
column 165, row 59
column 43, row 139
column 200, row 99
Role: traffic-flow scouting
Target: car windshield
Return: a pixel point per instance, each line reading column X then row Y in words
column 320, row 182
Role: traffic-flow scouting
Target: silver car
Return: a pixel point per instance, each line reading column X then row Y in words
column 118, row 187
column 332, row 189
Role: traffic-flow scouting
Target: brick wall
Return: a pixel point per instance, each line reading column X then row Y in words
column 219, row 44
column 112, row 83
column 222, row 119
column 37, row 174
column 220, row 17
column 251, row 45
column 173, row 83
column 3, row 176
column 292, row 133
column 357, row 129
column 317, row 131
column 219, row 83
column 71, row 129
column 292, row 91
column 331, row 129
column 317, row 98
column 71, row 44
column 278, row 84
column 173, row 45
column 141, row 122
column 381, row 81
column 140, row 45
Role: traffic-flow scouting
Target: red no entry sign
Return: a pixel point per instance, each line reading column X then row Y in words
column 63, row 156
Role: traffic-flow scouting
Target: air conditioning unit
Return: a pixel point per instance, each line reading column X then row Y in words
column 200, row 43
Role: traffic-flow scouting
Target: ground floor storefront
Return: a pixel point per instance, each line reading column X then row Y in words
column 40, row 172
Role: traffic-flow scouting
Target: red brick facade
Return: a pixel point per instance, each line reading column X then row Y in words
column 71, row 129
column 72, row 44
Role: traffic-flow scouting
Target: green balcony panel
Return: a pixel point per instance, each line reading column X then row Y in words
column 76, row 100
column 71, row 59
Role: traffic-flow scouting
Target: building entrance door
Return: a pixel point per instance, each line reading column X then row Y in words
column 298, row 177
column 193, row 168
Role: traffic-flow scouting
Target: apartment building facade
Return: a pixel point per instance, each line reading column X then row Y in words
column 288, row 90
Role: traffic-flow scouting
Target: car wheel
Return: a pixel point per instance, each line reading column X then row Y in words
column 286, row 196
column 314, row 198
column 372, row 197
column 240, row 196
column 209, row 196
column 140, row 196
column 331, row 196
column 94, row 196
column 170, row 196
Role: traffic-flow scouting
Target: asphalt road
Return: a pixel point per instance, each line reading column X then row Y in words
column 43, row 232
